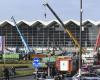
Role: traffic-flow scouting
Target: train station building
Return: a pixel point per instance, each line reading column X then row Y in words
column 40, row 35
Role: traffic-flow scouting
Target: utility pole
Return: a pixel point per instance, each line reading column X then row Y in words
column 80, row 54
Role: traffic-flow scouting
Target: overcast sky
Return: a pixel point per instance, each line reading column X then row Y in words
column 31, row 10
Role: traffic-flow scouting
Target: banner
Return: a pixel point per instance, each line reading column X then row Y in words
column 2, row 43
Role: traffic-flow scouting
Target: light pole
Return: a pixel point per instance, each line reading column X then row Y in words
column 53, row 42
column 3, row 53
column 80, row 54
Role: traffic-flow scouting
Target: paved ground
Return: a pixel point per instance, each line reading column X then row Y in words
column 25, row 78
column 31, row 78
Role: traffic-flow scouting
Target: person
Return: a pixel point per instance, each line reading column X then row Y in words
column 90, row 69
column 13, row 71
column 6, row 73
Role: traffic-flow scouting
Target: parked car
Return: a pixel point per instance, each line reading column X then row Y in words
column 86, row 76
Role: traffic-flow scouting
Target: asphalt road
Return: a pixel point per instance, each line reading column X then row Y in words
column 25, row 78
column 31, row 78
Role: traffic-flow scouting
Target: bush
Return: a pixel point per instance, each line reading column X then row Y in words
column 1, row 73
column 25, row 62
column 21, row 66
column 11, row 56
column 24, row 72
column 11, row 61
column 0, row 56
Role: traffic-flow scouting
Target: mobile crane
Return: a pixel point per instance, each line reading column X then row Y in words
column 27, row 49
column 96, row 49
column 64, row 27
column 30, row 54
column 62, row 60
column 21, row 36
column 97, row 42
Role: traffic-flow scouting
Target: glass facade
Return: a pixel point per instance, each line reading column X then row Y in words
column 39, row 35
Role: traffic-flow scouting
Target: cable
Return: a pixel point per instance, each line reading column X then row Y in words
column 45, row 12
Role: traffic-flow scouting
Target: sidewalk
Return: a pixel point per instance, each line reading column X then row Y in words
column 1, row 78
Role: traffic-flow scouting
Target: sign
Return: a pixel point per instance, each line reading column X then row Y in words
column 64, row 65
column 36, row 62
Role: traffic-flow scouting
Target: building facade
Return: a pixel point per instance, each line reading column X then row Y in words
column 39, row 34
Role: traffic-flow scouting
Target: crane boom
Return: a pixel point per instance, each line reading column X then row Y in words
column 65, row 29
column 21, row 36
column 97, row 42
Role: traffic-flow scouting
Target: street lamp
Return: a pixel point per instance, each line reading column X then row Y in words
column 53, row 41
column 80, row 54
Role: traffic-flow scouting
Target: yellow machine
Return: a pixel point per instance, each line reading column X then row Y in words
column 64, row 27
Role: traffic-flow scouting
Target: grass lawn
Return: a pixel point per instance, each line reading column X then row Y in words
column 10, row 65
column 18, row 72
column 24, row 72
